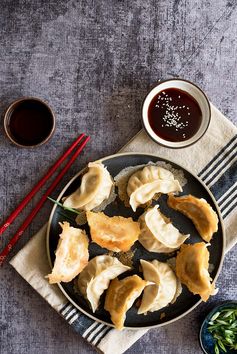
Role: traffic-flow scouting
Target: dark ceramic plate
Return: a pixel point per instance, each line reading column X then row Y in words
column 186, row 301
column 206, row 339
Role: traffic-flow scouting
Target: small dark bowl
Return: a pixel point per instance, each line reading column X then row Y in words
column 44, row 108
column 206, row 339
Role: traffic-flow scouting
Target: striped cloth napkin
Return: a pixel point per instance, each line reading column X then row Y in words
column 213, row 159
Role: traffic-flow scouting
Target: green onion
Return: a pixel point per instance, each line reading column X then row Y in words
column 64, row 207
column 228, row 340
column 223, row 327
column 214, row 317
column 221, row 345
column 228, row 313
column 216, row 349
column 222, row 322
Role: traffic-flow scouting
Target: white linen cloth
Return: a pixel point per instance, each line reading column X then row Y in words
column 213, row 158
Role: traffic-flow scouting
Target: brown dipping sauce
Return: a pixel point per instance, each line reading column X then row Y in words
column 174, row 115
column 30, row 122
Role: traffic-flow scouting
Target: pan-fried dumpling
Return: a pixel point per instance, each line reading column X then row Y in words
column 144, row 184
column 199, row 211
column 192, row 269
column 157, row 232
column 120, row 297
column 96, row 186
column 71, row 254
column 114, row 233
column 164, row 289
column 96, row 276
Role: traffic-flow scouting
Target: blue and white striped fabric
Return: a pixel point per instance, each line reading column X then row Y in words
column 103, row 337
column 220, row 175
column 92, row 331
column 213, row 159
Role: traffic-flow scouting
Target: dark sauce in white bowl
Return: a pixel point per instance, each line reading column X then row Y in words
column 174, row 115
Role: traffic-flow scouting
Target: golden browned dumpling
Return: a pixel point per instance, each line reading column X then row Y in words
column 114, row 233
column 120, row 297
column 199, row 211
column 71, row 254
column 192, row 269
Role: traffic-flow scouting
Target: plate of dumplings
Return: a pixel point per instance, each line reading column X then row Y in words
column 135, row 241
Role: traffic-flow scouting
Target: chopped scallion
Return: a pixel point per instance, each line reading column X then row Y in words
column 223, row 327
column 64, row 207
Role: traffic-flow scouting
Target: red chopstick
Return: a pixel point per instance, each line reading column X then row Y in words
column 38, row 206
column 30, row 195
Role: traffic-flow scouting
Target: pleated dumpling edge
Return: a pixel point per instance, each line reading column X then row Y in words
column 71, row 254
column 96, row 187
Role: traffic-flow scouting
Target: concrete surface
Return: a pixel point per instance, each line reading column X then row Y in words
column 93, row 61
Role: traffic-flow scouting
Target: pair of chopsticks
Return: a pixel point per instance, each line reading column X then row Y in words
column 79, row 143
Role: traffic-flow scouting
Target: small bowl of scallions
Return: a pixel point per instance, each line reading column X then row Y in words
column 218, row 333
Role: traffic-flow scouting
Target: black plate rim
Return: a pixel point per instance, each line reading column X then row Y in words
column 158, row 157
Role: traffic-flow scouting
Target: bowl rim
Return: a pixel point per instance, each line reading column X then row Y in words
column 208, row 118
column 6, row 117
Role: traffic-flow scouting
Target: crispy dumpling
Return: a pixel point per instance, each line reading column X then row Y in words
column 146, row 183
column 164, row 289
column 114, row 233
column 192, row 269
column 157, row 232
column 96, row 276
column 96, row 186
column 71, row 254
column 199, row 211
column 120, row 297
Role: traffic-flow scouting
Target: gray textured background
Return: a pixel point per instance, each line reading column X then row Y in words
column 93, row 61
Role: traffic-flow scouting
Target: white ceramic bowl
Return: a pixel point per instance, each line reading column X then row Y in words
column 192, row 90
